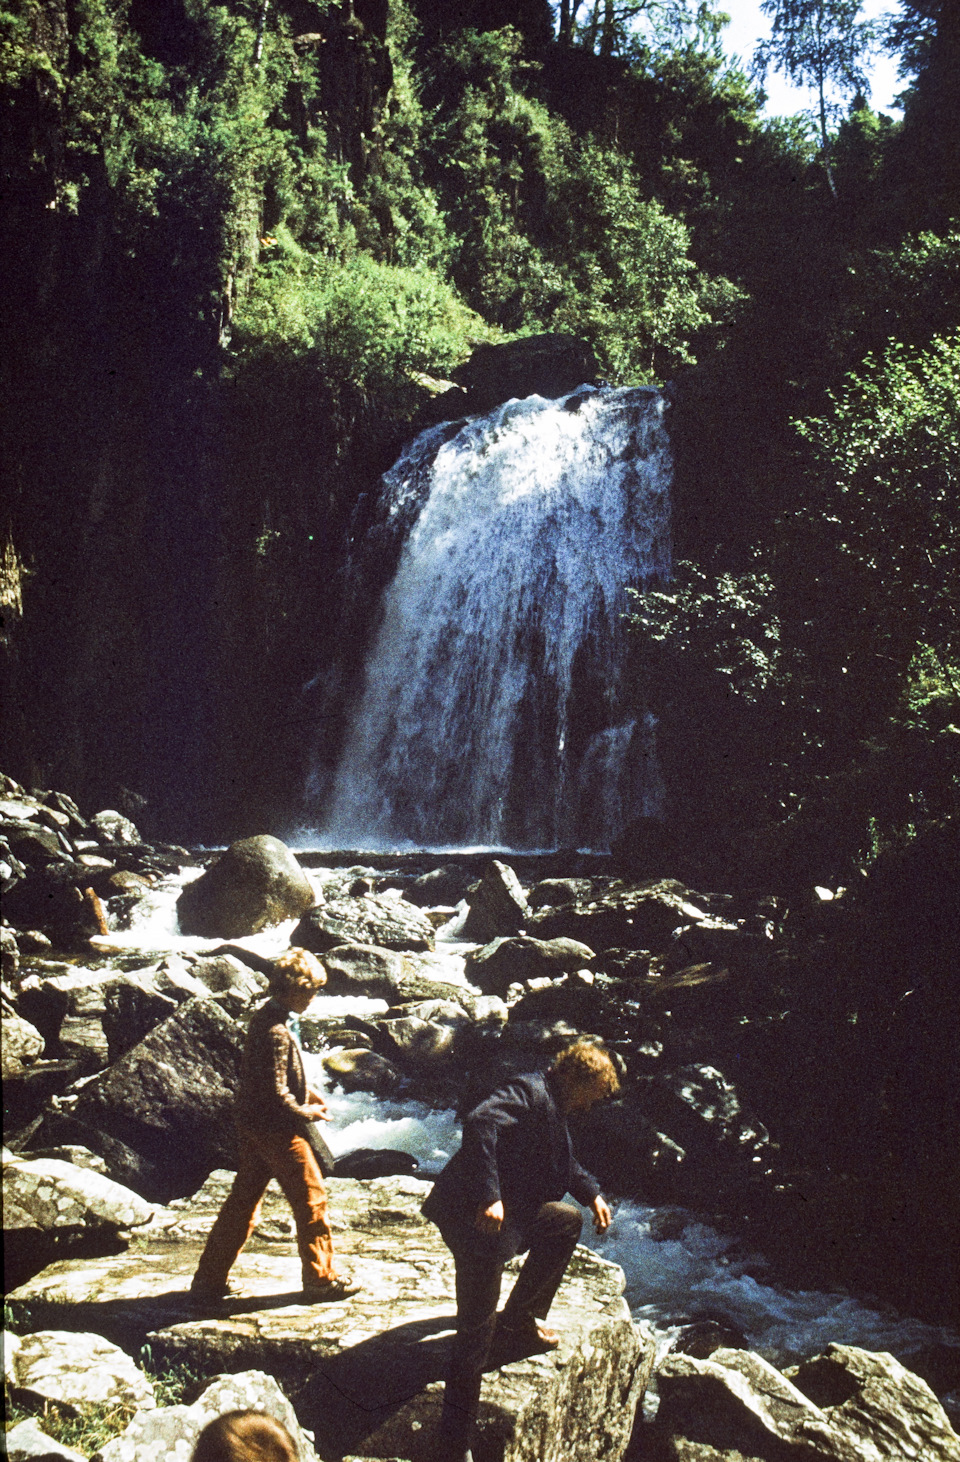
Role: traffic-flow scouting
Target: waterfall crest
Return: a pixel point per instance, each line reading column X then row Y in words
column 493, row 711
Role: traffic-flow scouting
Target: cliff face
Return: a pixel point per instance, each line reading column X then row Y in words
column 137, row 586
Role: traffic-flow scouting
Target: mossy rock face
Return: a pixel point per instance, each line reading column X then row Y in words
column 255, row 884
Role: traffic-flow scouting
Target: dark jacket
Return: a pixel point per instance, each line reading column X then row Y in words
column 516, row 1147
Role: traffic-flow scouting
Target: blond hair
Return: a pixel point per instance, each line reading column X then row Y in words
column 297, row 969
column 245, row 1436
column 585, row 1064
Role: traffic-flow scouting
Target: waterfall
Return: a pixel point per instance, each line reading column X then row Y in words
column 494, row 710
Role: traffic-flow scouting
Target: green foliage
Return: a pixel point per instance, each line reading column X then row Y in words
column 555, row 233
column 85, row 1429
column 821, row 44
column 368, row 324
column 832, row 667
column 887, row 462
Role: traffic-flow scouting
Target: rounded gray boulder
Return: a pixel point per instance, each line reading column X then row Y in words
column 256, row 883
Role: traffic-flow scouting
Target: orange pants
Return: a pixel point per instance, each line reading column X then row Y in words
column 289, row 1159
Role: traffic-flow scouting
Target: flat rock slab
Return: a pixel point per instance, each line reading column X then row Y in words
column 365, row 1373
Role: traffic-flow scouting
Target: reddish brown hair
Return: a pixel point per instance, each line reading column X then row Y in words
column 245, row 1436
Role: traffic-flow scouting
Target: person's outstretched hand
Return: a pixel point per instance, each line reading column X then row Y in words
column 317, row 1112
column 602, row 1217
column 489, row 1219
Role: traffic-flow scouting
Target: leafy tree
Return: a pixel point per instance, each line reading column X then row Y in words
column 820, row 44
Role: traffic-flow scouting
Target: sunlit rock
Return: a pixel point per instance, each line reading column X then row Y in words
column 377, row 919
column 366, row 1372
column 172, row 1431
column 497, row 906
column 507, row 961
column 46, row 1194
column 79, row 1369
column 847, row 1405
column 256, row 883
column 27, row 1442
column 22, row 1043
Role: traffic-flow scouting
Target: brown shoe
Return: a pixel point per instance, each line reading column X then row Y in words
column 527, row 1334
column 331, row 1291
column 201, row 1295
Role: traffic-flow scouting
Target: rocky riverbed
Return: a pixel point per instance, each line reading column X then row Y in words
column 129, row 974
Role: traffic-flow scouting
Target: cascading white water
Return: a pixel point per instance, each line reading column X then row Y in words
column 494, row 711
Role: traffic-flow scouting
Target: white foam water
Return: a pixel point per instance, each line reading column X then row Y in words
column 495, row 711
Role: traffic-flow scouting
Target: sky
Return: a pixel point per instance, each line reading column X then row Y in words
column 748, row 25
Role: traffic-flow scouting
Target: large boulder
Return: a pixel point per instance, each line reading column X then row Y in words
column 357, row 1069
column 256, row 883
column 847, row 1405
column 172, row 1431
column 441, row 887
column 366, row 1372
column 27, row 1442
column 548, row 365
column 76, row 1369
column 22, row 1043
column 509, row 961
column 378, row 919
column 416, row 1042
column 497, row 906
column 171, row 1098
column 47, row 1195
column 364, row 969
column 626, row 916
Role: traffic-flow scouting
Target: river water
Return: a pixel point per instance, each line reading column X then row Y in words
column 678, row 1266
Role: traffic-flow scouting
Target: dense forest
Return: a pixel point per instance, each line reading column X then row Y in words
column 244, row 243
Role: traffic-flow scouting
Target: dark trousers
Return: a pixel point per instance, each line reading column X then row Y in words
column 551, row 1238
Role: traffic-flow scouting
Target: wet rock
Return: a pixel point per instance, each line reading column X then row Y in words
column 222, row 974
column 553, row 892
column 112, row 827
column 497, row 906
column 550, row 365
column 364, row 969
column 256, row 883
column 26, row 1442
column 640, row 916
column 362, row 1070
column 509, row 961
column 45, row 1194
column 79, row 1369
column 373, row 919
column 123, row 881
column 22, row 1043
column 444, row 886
column 172, row 1431
column 366, row 1371
column 9, row 954
column 416, row 1042
column 372, row 1162
column 847, row 1405
column 171, row 1098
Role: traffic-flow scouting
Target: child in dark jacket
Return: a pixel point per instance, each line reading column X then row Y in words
column 498, row 1196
